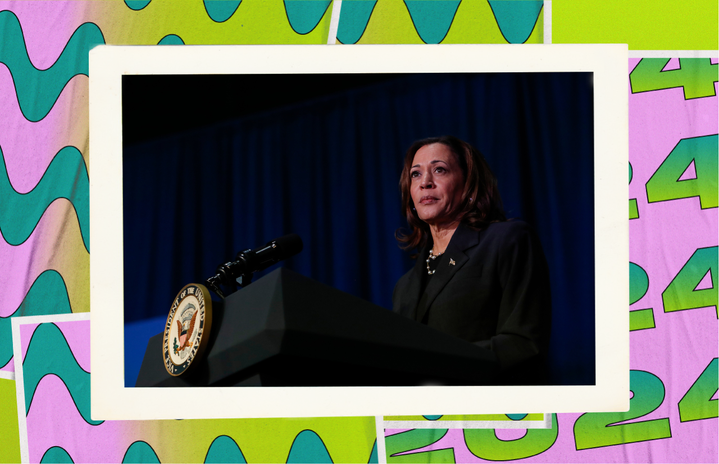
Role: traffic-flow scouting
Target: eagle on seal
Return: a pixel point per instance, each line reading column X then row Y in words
column 185, row 336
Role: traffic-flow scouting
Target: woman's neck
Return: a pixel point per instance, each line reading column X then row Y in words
column 441, row 235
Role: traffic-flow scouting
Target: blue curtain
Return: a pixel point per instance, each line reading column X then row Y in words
column 328, row 170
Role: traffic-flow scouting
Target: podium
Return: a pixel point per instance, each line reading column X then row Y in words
column 288, row 330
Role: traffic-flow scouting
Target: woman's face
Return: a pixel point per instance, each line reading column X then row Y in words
column 436, row 184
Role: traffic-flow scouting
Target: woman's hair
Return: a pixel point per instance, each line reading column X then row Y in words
column 480, row 205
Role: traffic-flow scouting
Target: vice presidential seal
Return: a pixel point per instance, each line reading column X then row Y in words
column 187, row 329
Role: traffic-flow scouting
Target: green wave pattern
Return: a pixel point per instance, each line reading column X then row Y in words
column 221, row 10
column 432, row 19
column 56, row 455
column 37, row 91
column 140, row 451
column 47, row 295
column 171, row 39
column 305, row 15
column 49, row 353
column 66, row 177
column 224, row 449
column 308, row 447
column 354, row 18
column 516, row 20
column 137, row 4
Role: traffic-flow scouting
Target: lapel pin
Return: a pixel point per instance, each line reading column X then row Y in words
column 451, row 262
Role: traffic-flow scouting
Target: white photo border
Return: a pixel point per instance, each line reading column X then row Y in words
column 111, row 400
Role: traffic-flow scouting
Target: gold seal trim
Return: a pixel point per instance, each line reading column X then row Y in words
column 187, row 329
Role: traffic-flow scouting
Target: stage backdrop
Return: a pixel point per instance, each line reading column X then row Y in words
column 45, row 243
column 328, row 169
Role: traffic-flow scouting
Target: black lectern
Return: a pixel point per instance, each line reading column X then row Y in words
column 289, row 330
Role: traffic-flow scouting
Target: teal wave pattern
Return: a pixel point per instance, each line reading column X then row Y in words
column 221, row 10
column 305, row 15
column 171, row 39
column 224, row 449
column 515, row 19
column 308, row 447
column 137, row 4
column 38, row 90
column 432, row 18
column 47, row 295
column 66, row 177
column 354, row 17
column 373, row 456
column 49, row 353
column 140, row 451
column 56, row 455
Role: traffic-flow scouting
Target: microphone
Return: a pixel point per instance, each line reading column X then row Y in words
column 250, row 261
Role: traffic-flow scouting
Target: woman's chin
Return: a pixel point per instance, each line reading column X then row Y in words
column 428, row 219
column 428, row 215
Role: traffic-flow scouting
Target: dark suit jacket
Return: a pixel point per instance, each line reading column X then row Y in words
column 491, row 288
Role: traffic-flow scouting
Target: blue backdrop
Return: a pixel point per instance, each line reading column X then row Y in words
column 328, row 169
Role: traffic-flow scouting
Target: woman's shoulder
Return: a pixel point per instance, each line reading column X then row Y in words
column 508, row 236
column 508, row 230
column 510, row 241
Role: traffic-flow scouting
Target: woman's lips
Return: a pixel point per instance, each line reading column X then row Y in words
column 427, row 200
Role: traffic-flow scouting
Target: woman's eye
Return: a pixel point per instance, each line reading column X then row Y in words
column 440, row 169
column 414, row 174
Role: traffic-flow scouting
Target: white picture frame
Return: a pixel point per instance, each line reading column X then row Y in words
column 111, row 400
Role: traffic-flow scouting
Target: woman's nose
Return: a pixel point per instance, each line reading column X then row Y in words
column 427, row 181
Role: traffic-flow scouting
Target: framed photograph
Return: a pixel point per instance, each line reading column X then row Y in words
column 201, row 152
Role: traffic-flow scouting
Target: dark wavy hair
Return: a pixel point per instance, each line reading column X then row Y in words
column 481, row 203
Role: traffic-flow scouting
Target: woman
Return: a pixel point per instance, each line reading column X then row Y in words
column 478, row 276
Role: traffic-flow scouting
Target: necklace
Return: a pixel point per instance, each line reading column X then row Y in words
column 432, row 257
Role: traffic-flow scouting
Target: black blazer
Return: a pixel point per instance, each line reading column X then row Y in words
column 491, row 288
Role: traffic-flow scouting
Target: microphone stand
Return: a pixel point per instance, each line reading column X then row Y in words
column 226, row 272
column 239, row 272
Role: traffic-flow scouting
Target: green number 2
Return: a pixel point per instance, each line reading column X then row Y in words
column 595, row 430
column 400, row 447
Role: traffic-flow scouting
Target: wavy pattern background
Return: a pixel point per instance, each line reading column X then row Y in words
column 43, row 193
column 55, row 243
column 48, row 295
column 66, row 177
column 445, row 21
column 218, row 11
column 48, row 353
column 44, row 254
column 28, row 148
column 253, row 22
column 36, row 89
column 56, row 357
